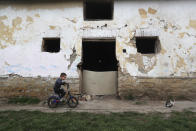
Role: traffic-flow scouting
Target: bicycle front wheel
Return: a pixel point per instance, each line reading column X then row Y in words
column 72, row 102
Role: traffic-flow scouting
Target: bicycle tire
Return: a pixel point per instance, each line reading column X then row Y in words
column 52, row 102
column 72, row 102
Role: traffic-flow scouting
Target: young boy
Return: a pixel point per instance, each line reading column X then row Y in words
column 57, row 86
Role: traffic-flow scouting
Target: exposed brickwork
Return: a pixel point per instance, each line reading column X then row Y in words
column 137, row 87
column 36, row 87
column 156, row 88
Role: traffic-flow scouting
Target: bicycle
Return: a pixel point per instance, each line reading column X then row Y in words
column 54, row 100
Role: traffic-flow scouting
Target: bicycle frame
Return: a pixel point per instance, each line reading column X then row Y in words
column 69, row 99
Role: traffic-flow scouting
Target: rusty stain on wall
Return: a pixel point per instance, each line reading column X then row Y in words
column 152, row 11
column 192, row 23
column 181, row 35
column 52, row 27
column 6, row 33
column 37, row 15
column 16, row 23
column 163, row 51
column 3, row 17
column 29, row 19
column 143, row 22
column 180, row 63
column 138, row 59
column 2, row 46
column 143, row 13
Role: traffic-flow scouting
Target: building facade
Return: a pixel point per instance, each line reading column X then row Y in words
column 143, row 48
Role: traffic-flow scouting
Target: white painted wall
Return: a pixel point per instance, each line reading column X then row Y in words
column 22, row 27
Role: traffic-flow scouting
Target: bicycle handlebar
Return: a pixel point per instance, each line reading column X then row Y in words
column 67, row 85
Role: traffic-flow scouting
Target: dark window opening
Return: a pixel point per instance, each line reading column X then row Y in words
column 124, row 51
column 99, row 56
column 51, row 45
column 98, row 9
column 147, row 45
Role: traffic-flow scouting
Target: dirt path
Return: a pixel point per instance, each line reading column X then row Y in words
column 107, row 106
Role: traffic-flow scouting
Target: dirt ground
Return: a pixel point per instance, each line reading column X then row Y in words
column 106, row 105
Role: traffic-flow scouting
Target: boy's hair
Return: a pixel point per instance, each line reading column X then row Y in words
column 63, row 74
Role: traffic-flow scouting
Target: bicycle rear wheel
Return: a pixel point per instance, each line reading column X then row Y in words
column 52, row 102
column 72, row 102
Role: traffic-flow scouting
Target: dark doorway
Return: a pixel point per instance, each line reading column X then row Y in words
column 100, row 72
column 99, row 55
column 51, row 45
column 98, row 9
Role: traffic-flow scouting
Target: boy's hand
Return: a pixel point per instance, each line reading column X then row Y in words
column 64, row 83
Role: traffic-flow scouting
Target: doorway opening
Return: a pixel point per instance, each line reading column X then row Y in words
column 100, row 67
column 99, row 55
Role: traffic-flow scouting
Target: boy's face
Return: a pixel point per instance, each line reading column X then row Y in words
column 63, row 77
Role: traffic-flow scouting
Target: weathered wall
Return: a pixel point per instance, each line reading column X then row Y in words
column 41, row 87
column 156, row 88
column 22, row 30
column 22, row 27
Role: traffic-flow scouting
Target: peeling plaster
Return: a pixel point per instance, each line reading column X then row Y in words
column 192, row 23
column 52, row 27
column 37, row 15
column 152, row 11
column 23, row 27
column 3, row 17
column 181, row 35
column 29, row 19
column 143, row 13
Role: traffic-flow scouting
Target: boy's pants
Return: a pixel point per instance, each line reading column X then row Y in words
column 60, row 92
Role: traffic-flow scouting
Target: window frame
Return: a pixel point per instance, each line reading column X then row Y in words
column 157, row 44
column 87, row 19
column 50, row 38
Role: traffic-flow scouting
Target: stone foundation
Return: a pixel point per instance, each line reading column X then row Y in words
column 14, row 86
column 134, row 87
column 159, row 88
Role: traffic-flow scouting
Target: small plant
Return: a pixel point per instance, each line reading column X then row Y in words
column 182, row 97
column 170, row 97
column 140, row 102
column 129, row 97
column 23, row 100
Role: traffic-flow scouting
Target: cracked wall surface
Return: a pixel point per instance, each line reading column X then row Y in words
column 23, row 26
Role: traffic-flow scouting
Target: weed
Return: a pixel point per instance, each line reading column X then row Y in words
column 129, row 97
column 23, row 100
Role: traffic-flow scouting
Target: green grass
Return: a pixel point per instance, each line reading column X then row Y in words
column 129, row 97
column 140, row 102
column 23, row 100
column 129, row 121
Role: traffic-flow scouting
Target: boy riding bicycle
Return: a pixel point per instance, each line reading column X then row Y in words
column 57, row 86
column 54, row 100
